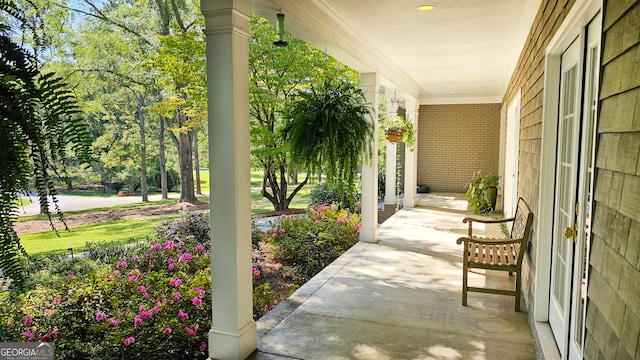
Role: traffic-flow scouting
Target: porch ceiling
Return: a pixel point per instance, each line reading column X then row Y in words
column 462, row 51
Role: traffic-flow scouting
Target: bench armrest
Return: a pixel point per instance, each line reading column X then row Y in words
column 471, row 219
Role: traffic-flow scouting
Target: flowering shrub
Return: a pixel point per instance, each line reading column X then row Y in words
column 154, row 302
column 309, row 243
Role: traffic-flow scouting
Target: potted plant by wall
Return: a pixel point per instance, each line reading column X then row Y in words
column 399, row 129
column 482, row 193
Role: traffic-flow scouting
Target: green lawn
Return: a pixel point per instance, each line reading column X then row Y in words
column 135, row 230
column 76, row 238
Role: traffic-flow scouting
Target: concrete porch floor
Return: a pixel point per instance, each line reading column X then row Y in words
column 400, row 299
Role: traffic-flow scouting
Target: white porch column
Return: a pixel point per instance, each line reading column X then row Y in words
column 410, row 159
column 370, row 83
column 233, row 335
column 391, row 153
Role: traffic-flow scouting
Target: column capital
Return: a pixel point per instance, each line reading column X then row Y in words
column 226, row 16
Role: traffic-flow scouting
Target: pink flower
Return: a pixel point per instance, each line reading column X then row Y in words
column 116, row 272
column 196, row 301
column 271, row 307
column 183, row 315
column 55, row 331
column 199, row 291
column 137, row 321
column 170, row 267
column 69, row 277
column 130, row 340
column 141, row 308
column 175, row 282
column 171, row 261
column 185, row 257
column 358, row 226
column 282, row 231
column 28, row 320
column 199, row 247
column 121, row 264
column 46, row 337
column 157, row 247
column 190, row 331
column 169, row 245
column 114, row 322
column 167, row 331
column 176, row 296
column 100, row 316
column 136, row 260
column 109, row 278
column 145, row 315
column 57, row 301
column 181, row 243
column 203, row 346
column 48, row 312
column 28, row 335
column 274, row 235
column 142, row 289
column 255, row 272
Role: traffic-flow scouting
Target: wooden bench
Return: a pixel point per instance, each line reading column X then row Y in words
column 504, row 254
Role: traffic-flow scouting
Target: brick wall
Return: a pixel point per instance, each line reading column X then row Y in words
column 455, row 141
column 613, row 309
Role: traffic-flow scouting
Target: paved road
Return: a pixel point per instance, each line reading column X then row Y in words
column 70, row 203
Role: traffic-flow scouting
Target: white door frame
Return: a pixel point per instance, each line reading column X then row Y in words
column 578, row 18
column 512, row 150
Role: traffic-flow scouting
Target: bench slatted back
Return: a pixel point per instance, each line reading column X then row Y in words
column 521, row 227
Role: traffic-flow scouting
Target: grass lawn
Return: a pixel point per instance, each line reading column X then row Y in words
column 111, row 231
column 135, row 230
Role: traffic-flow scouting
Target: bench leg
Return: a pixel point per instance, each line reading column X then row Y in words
column 465, row 270
column 518, row 290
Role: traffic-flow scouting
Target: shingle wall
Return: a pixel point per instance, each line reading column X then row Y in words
column 529, row 78
column 454, row 142
column 613, row 308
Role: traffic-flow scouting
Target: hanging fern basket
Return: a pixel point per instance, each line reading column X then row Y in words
column 394, row 135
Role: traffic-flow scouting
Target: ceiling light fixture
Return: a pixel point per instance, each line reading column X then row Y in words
column 425, row 7
column 280, row 30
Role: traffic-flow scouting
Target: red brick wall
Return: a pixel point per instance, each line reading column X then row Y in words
column 455, row 141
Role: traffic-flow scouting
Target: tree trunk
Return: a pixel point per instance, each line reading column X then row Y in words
column 196, row 161
column 163, row 161
column 143, row 152
column 186, row 162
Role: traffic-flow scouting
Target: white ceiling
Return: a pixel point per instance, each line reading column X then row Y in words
column 462, row 51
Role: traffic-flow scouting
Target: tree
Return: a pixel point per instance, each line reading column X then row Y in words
column 38, row 117
column 274, row 74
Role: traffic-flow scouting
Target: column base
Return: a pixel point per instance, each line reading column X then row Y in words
column 369, row 236
column 225, row 345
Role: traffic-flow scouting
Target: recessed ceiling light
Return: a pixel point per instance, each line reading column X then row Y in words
column 425, row 7
column 453, row 92
column 452, row 68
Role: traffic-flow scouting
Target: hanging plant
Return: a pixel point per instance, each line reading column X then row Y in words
column 399, row 129
column 329, row 129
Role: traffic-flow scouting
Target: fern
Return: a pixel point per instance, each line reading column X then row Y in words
column 38, row 117
column 329, row 129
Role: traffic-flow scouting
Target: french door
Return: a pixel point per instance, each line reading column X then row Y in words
column 573, row 190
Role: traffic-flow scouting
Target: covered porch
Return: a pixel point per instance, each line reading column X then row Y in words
column 400, row 299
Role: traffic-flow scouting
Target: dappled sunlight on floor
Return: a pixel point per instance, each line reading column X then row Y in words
column 399, row 299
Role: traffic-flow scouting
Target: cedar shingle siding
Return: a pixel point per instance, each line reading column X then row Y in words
column 613, row 310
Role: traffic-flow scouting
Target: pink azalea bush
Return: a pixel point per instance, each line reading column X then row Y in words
column 121, row 309
column 309, row 243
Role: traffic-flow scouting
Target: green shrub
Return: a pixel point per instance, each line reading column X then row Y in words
column 325, row 194
column 312, row 241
